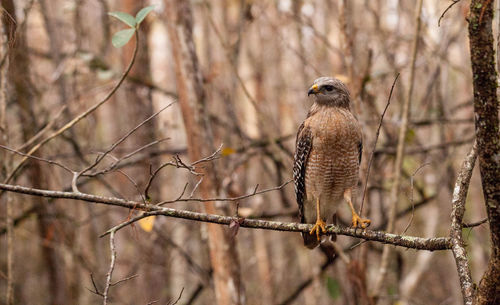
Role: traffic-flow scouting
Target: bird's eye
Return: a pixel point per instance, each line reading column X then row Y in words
column 328, row 87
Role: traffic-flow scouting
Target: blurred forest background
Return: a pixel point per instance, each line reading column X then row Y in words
column 256, row 60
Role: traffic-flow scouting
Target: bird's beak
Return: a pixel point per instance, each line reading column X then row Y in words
column 313, row 90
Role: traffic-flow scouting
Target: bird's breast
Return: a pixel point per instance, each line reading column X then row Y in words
column 333, row 162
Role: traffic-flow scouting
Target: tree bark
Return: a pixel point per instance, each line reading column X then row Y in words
column 487, row 133
column 192, row 99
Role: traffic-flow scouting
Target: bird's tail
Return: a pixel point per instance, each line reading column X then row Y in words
column 310, row 240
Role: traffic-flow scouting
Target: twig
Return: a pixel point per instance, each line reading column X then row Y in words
column 178, row 298
column 123, row 138
column 114, row 145
column 111, row 267
column 96, row 290
column 124, row 280
column 180, row 164
column 375, row 143
column 195, row 294
column 38, row 159
column 195, row 187
column 255, row 192
column 446, row 10
column 457, row 214
column 411, row 197
column 47, row 127
column 475, row 224
column 125, row 157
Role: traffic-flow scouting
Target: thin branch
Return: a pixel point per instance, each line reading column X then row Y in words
column 38, row 159
column 178, row 298
column 96, row 290
column 412, row 179
column 475, row 224
column 195, row 294
column 375, row 143
column 114, row 145
column 457, row 214
column 125, row 157
column 253, row 193
column 47, row 127
column 111, row 267
column 431, row 244
column 124, row 280
column 446, row 10
column 178, row 163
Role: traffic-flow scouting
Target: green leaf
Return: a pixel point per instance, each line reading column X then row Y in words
column 122, row 37
column 143, row 13
column 333, row 287
column 124, row 17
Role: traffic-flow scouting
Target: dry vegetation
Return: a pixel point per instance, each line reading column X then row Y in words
column 199, row 112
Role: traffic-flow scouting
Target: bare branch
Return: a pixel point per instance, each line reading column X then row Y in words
column 475, row 224
column 412, row 178
column 38, row 159
column 125, row 157
column 178, row 298
column 114, row 145
column 457, row 214
column 446, row 10
column 253, row 193
column 47, row 127
column 180, row 164
column 431, row 244
column 111, row 267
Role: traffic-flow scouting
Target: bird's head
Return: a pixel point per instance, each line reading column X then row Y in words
column 329, row 91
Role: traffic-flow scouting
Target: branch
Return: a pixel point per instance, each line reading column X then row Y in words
column 430, row 244
column 453, row 2
column 457, row 215
column 111, row 268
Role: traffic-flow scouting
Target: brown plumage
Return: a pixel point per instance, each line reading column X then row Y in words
column 327, row 157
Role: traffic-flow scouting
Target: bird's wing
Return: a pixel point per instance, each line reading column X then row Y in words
column 360, row 150
column 303, row 149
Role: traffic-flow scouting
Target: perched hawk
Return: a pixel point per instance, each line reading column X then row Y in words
column 327, row 158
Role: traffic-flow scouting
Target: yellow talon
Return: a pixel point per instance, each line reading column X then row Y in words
column 320, row 225
column 362, row 222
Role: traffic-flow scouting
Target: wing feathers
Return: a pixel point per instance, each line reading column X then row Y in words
column 303, row 149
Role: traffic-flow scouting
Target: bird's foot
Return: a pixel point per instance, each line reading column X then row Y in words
column 360, row 222
column 320, row 225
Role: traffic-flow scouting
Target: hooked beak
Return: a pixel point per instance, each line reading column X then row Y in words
column 313, row 90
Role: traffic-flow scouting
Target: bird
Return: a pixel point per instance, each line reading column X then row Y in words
column 327, row 158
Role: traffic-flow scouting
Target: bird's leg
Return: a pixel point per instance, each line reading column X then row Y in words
column 356, row 220
column 320, row 224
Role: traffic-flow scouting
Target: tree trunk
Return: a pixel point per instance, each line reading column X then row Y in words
column 487, row 130
column 192, row 99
